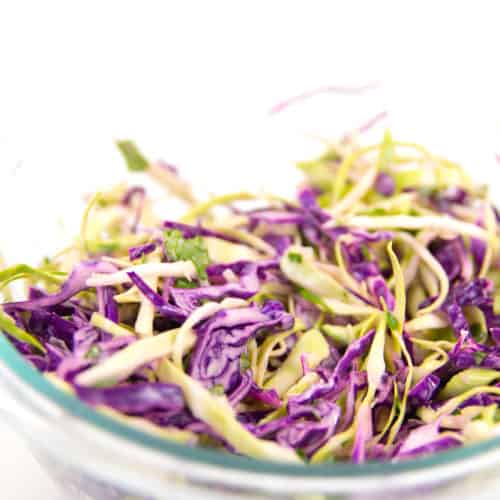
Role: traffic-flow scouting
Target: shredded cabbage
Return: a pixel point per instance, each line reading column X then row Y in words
column 360, row 321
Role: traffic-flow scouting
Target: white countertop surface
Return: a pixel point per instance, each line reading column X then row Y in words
column 22, row 478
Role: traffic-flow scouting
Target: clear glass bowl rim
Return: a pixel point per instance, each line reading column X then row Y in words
column 22, row 370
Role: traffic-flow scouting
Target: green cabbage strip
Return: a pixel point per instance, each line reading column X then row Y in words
column 182, row 343
column 468, row 379
column 299, row 267
column 341, row 308
column 477, row 320
column 416, row 295
column 334, row 443
column 399, row 314
column 265, row 351
column 125, row 362
column 348, row 280
column 23, row 271
column 6, row 292
column 253, row 356
column 109, row 221
column 411, row 260
column 203, row 208
column 130, row 296
column 307, row 381
column 431, row 363
column 345, row 335
column 375, row 363
column 429, row 281
column 108, row 326
column 245, row 237
column 427, row 321
column 356, row 193
column 340, row 178
column 386, row 148
column 181, row 269
column 319, row 172
column 217, row 413
column 7, row 325
column 441, row 176
column 84, row 228
column 479, row 430
column 441, row 223
column 226, row 252
column 402, row 203
column 452, row 404
column 137, row 162
column 313, row 346
column 390, row 418
column 434, row 266
column 172, row 182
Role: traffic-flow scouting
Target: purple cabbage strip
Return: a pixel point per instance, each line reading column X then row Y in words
column 188, row 299
column 135, row 399
column 423, row 391
column 173, row 313
column 76, row 283
column 137, row 252
column 308, row 435
column 106, row 304
column 385, row 184
column 222, row 340
column 451, row 254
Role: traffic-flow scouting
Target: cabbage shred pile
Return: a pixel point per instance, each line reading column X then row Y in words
column 360, row 321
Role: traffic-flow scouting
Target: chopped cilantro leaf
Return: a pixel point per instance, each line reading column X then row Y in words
column 244, row 362
column 93, row 352
column 366, row 252
column 479, row 334
column 217, row 390
column 478, row 357
column 192, row 249
column 184, row 283
column 295, row 257
column 136, row 162
column 392, row 322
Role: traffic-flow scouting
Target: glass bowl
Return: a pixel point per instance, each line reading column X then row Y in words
column 95, row 457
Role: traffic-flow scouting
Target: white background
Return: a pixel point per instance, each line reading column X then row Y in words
column 192, row 82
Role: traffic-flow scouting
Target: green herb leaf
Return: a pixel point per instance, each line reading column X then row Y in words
column 94, row 352
column 479, row 334
column 136, row 162
column 311, row 297
column 295, row 257
column 392, row 322
column 244, row 362
column 478, row 357
column 193, row 249
column 184, row 283
column 301, row 454
column 22, row 271
column 377, row 211
column 366, row 252
column 217, row 390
